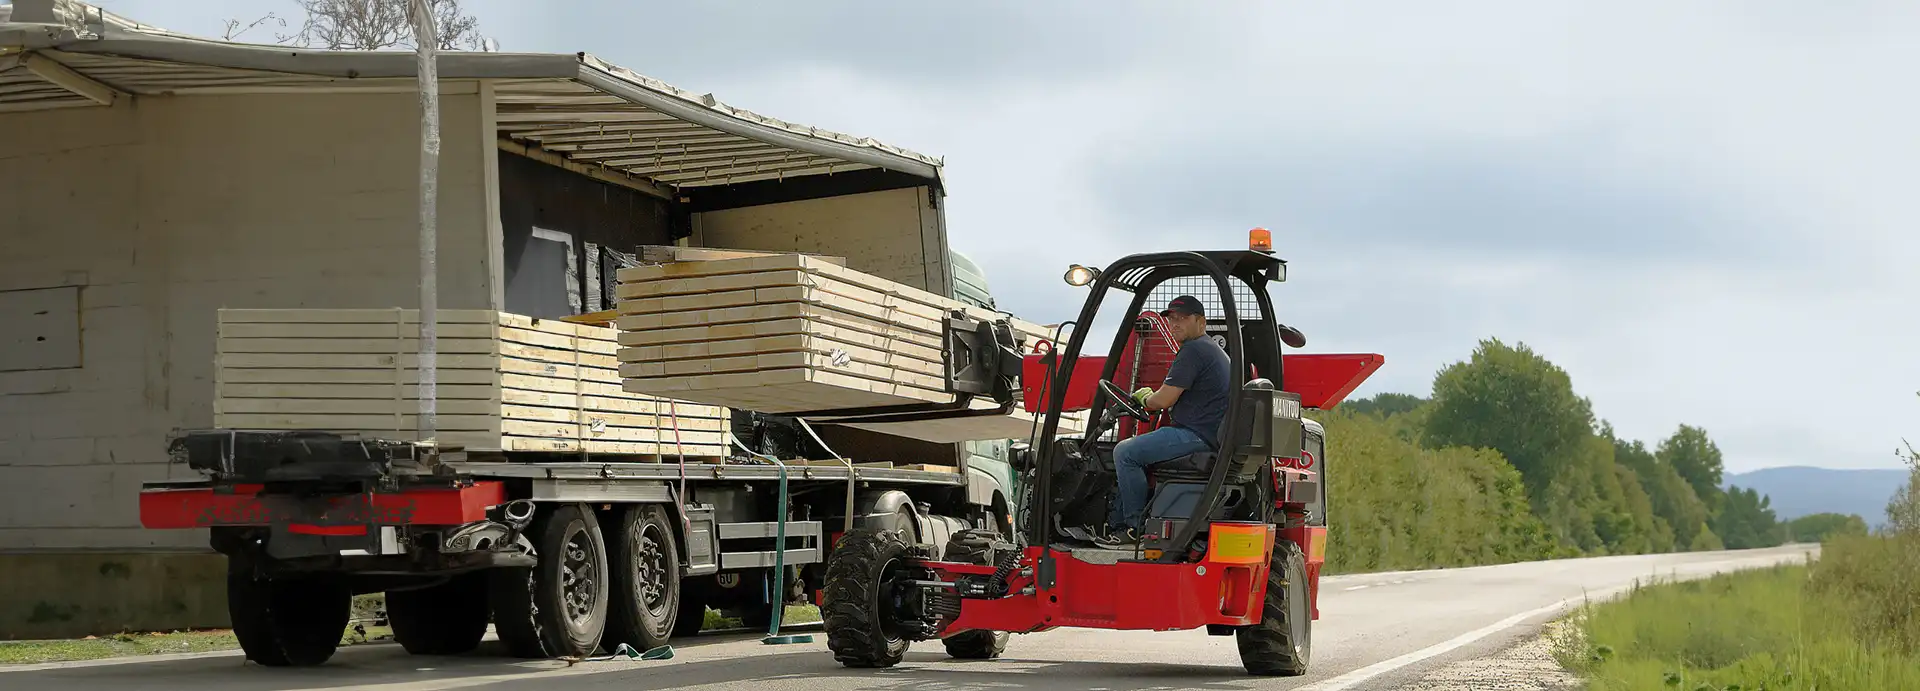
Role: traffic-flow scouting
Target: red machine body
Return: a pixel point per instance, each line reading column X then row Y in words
column 1133, row 595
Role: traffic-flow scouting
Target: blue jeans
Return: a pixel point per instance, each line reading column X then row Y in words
column 1130, row 461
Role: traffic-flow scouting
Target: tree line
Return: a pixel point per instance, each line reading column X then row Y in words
column 1503, row 461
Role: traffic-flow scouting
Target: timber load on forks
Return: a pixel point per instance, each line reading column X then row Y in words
column 1234, row 539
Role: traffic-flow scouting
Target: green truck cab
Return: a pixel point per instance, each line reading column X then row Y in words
column 988, row 462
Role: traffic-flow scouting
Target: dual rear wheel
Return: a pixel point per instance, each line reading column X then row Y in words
column 587, row 593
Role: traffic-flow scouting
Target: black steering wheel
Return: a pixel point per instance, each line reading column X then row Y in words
column 1124, row 401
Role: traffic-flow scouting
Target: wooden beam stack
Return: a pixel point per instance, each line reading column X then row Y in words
column 786, row 334
column 506, row 383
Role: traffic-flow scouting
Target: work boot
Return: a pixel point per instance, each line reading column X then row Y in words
column 1124, row 537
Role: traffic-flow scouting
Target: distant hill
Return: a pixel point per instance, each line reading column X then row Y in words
column 1800, row 490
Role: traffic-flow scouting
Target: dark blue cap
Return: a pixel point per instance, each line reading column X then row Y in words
column 1186, row 304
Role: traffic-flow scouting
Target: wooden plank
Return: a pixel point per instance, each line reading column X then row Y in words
column 555, row 341
column 668, row 451
column 478, row 392
column 387, row 331
column 556, row 370
column 709, row 357
column 474, row 423
column 351, row 361
column 772, row 329
column 569, row 415
column 600, row 318
column 781, row 319
column 901, row 373
column 349, row 406
column 873, row 320
column 352, row 316
column 746, row 310
column 557, row 430
column 565, row 385
column 875, row 349
column 318, row 346
column 312, row 375
column 769, row 286
column 786, row 391
column 631, row 403
column 556, row 355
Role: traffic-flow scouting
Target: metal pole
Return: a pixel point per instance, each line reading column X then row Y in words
column 426, row 40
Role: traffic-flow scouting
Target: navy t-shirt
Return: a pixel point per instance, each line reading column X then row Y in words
column 1201, row 370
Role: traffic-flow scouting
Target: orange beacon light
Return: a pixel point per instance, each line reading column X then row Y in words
column 1260, row 240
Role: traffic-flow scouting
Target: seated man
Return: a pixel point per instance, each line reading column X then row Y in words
column 1196, row 390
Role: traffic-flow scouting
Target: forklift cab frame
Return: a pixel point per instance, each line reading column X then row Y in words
column 1261, row 422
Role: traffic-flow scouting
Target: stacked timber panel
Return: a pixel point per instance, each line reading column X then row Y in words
column 788, row 333
column 506, row 383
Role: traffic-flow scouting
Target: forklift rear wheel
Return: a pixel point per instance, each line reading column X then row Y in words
column 861, row 626
column 1282, row 643
column 646, row 580
column 974, row 546
column 558, row 608
column 288, row 622
column 444, row 619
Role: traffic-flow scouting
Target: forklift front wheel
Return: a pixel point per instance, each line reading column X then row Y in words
column 1282, row 643
column 862, row 628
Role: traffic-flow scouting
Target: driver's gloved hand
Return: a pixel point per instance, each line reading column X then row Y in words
column 1140, row 396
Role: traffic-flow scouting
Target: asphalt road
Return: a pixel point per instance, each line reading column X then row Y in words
column 1376, row 631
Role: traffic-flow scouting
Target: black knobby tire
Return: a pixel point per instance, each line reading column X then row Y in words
column 288, row 622
column 558, row 608
column 1282, row 643
column 445, row 619
column 857, row 616
column 978, row 644
column 645, row 561
column 974, row 547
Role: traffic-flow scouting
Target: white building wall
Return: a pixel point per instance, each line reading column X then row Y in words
column 164, row 210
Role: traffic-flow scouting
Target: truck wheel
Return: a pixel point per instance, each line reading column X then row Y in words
column 758, row 616
column 558, row 608
column 646, row 580
column 445, row 619
column 692, row 615
column 974, row 547
column 1282, row 643
column 861, row 628
column 288, row 622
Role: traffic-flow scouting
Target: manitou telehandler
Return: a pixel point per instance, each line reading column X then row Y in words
column 1234, row 539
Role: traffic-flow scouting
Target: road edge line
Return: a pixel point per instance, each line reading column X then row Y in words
column 1369, row 672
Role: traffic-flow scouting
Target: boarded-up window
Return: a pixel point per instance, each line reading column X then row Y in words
column 42, row 329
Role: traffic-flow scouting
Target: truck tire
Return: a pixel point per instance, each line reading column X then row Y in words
column 692, row 615
column 445, row 619
column 645, row 565
column 558, row 608
column 1282, row 643
column 758, row 616
column 288, row 622
column 861, row 631
column 974, row 547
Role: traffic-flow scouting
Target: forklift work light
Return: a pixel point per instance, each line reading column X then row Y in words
column 1078, row 275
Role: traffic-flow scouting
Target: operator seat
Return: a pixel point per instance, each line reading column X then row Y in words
column 1177, row 485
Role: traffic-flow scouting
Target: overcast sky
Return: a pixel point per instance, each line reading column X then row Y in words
column 1703, row 211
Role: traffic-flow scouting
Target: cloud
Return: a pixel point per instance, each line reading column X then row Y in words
column 1703, row 211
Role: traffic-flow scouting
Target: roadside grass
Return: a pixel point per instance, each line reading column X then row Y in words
column 1770, row 628
column 796, row 614
column 135, row 644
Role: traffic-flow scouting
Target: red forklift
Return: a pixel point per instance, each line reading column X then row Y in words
column 1234, row 539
